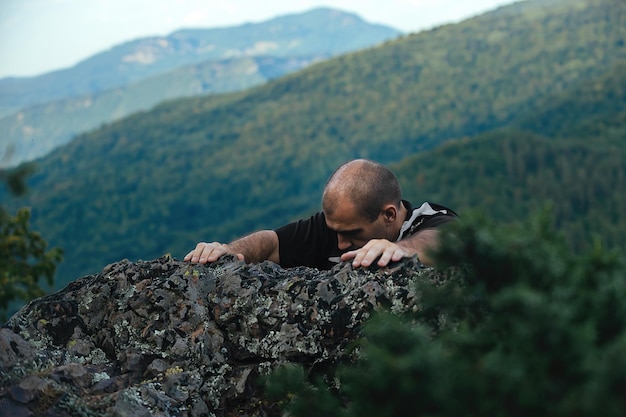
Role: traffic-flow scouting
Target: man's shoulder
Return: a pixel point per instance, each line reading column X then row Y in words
column 432, row 209
column 314, row 224
column 427, row 216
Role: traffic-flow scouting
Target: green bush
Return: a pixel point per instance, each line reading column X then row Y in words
column 24, row 260
column 521, row 327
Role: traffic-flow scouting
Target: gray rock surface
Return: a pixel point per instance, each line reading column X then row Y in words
column 169, row 338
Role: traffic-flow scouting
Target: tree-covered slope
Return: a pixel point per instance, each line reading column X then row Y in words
column 569, row 154
column 591, row 109
column 213, row 168
column 35, row 131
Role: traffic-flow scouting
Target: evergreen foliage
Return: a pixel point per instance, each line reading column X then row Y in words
column 522, row 326
column 24, row 260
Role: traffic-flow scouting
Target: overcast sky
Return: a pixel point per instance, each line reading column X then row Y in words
column 38, row 36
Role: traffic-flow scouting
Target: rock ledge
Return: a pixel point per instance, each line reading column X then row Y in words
column 169, row 338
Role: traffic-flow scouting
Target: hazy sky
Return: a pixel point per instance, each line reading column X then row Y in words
column 38, row 36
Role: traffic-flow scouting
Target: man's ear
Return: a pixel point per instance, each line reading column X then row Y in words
column 390, row 212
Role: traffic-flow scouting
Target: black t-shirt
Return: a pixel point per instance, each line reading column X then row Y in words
column 309, row 242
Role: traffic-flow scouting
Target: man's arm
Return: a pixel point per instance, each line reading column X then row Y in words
column 386, row 251
column 421, row 243
column 256, row 247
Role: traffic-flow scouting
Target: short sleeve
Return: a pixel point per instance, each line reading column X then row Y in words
column 308, row 242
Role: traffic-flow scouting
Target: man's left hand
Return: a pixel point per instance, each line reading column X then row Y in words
column 381, row 249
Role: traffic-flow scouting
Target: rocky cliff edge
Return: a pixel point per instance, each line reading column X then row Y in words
column 169, row 338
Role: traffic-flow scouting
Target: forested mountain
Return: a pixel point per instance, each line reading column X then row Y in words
column 215, row 167
column 39, row 113
column 568, row 155
column 35, row 131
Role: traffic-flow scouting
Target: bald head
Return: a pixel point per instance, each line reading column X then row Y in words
column 365, row 184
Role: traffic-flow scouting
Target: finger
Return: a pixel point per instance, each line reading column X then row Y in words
column 391, row 254
column 399, row 254
column 356, row 256
column 365, row 256
column 194, row 255
column 214, row 250
column 348, row 256
column 214, row 253
column 208, row 253
column 385, row 258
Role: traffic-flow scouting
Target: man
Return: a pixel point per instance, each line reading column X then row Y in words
column 364, row 220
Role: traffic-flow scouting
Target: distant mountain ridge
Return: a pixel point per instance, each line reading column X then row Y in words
column 39, row 113
column 308, row 33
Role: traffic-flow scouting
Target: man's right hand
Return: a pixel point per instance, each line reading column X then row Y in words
column 210, row 252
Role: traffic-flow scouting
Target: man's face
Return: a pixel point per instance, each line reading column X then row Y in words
column 353, row 231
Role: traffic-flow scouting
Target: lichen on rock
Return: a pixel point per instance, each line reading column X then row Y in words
column 170, row 338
